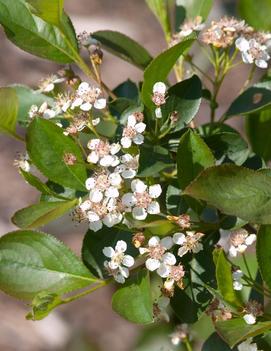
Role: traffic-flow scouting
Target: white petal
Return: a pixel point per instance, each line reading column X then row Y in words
column 249, row 319
column 197, row 248
column 242, row 44
column 95, row 226
column 115, row 179
column 107, row 161
column 232, row 251
column 86, row 106
column 124, row 271
column 261, row 63
column 128, row 261
column 160, row 88
column 143, row 250
column 93, row 157
column 128, row 174
column 163, row 271
column 119, row 278
column 126, row 158
column 99, row 104
column 138, row 186
column 128, row 200
column 138, row 139
column 154, row 241
column 113, row 264
column 182, row 251
column 112, row 219
column 152, row 264
column 155, row 191
column 66, row 106
column 77, row 102
column 90, row 183
column 121, row 246
column 95, row 196
column 251, row 239
column 158, row 112
column 112, row 192
column 108, row 251
column 49, row 88
column 140, row 127
column 242, row 248
column 126, row 142
column 93, row 143
column 237, row 275
column 179, row 238
column 93, row 217
column 139, row 213
column 96, row 121
column 237, row 286
column 83, row 87
column 169, row 259
column 85, row 206
column 247, row 58
column 153, row 208
column 131, row 121
column 49, row 114
column 167, row 242
column 115, row 148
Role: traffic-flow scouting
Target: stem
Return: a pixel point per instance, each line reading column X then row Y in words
column 249, row 79
column 187, row 344
column 201, row 71
column 247, row 267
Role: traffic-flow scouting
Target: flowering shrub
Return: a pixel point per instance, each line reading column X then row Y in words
column 173, row 208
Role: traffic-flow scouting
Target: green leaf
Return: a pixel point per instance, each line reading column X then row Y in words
column 251, row 100
column 159, row 9
column 159, row 69
column 263, row 253
column 174, row 202
column 235, row 191
column 8, row 111
column 224, row 279
column 193, row 156
column 256, row 15
column 124, row 47
column 51, row 11
column 196, row 8
column 42, row 304
column 60, row 193
column 47, row 145
column 94, row 242
column 257, row 128
column 183, row 98
column 32, row 262
column 133, row 300
column 28, row 97
column 32, row 34
column 215, row 343
column 40, row 214
column 152, row 160
column 235, row 330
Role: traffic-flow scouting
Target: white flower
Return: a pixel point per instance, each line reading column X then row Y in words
column 239, row 241
column 248, row 346
column 159, row 87
column 133, row 132
column 128, row 166
column 119, row 262
column 87, row 97
column 48, row 84
column 237, row 277
column 253, row 51
column 159, row 97
column 158, row 258
column 141, row 200
column 249, row 318
column 189, row 242
column 103, row 153
column 22, row 162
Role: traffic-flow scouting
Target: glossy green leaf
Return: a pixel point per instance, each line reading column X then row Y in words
column 32, row 262
column 258, row 128
column 160, row 10
column 263, row 253
column 235, row 191
column 32, row 34
column 94, row 242
column 175, row 203
column 255, row 15
column 195, row 8
column 8, row 111
column 193, row 156
column 133, row 300
column 251, row 100
column 124, row 47
column 51, row 11
column 28, row 97
column 184, row 98
column 42, row 213
column 235, row 330
column 224, row 279
column 47, row 145
column 159, row 69
column 152, row 160
column 215, row 343
column 60, row 193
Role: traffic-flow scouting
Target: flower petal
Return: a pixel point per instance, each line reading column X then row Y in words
column 167, row 242
column 249, row 319
column 108, row 251
column 128, row 261
column 153, row 208
column 159, row 87
column 169, row 259
column 163, row 271
column 139, row 213
column 152, row 264
column 155, row 191
column 99, row 104
column 95, row 226
column 121, row 246
column 179, row 238
column 154, row 241
column 138, row 186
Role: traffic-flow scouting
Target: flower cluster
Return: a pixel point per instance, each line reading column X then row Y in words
column 239, row 241
column 132, row 133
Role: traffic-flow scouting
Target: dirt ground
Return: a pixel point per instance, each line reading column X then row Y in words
column 89, row 321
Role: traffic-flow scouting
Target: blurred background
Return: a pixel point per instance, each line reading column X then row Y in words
column 88, row 324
